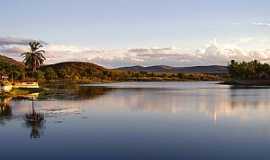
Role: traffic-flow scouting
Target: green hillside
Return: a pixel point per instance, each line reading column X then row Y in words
column 79, row 71
column 11, row 67
column 76, row 71
column 89, row 72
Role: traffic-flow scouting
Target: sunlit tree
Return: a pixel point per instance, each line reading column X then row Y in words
column 35, row 57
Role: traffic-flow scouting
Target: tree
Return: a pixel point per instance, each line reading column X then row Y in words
column 50, row 74
column 180, row 75
column 39, row 75
column 252, row 70
column 35, row 57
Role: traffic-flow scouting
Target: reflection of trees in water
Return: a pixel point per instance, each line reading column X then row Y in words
column 92, row 92
column 5, row 109
column 239, row 101
column 37, row 129
column 77, row 93
column 35, row 121
column 249, row 97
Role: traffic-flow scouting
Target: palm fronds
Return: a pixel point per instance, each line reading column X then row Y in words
column 35, row 57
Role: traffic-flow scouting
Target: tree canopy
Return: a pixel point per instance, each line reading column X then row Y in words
column 253, row 70
column 35, row 57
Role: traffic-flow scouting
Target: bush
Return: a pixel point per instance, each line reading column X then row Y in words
column 50, row 74
column 39, row 75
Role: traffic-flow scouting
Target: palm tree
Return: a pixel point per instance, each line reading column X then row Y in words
column 34, row 58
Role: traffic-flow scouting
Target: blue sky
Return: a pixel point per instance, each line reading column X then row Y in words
column 133, row 23
column 118, row 24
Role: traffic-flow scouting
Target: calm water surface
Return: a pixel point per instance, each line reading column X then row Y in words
column 140, row 120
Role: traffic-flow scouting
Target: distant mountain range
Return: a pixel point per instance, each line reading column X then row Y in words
column 212, row 69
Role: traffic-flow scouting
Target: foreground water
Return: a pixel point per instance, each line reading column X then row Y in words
column 144, row 120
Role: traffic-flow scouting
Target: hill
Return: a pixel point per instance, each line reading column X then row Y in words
column 75, row 71
column 9, row 61
column 213, row 69
column 65, row 70
column 11, row 67
column 88, row 72
column 75, row 66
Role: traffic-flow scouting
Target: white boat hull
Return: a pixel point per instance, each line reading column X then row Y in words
column 27, row 85
column 6, row 88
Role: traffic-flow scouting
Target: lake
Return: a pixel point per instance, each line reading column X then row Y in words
column 140, row 120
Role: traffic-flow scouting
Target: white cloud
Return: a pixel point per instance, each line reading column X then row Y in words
column 245, row 40
column 261, row 24
column 16, row 41
column 212, row 53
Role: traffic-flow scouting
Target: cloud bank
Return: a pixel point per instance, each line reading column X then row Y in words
column 261, row 24
column 16, row 41
column 212, row 54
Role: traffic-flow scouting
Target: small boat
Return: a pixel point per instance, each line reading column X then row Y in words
column 5, row 86
column 26, row 85
column 32, row 96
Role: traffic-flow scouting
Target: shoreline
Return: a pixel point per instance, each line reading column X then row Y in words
column 72, row 82
column 247, row 82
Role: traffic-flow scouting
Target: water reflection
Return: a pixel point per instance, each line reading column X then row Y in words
column 75, row 93
column 216, row 101
column 212, row 100
column 46, row 102
column 6, row 112
column 168, row 120
column 5, row 109
column 35, row 120
column 37, row 129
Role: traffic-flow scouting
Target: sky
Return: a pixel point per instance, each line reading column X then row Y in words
column 116, row 33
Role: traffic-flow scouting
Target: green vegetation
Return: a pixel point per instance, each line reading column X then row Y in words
column 249, row 73
column 11, row 68
column 32, row 61
column 83, row 72
column 34, row 58
column 88, row 72
column 75, row 71
column 252, row 70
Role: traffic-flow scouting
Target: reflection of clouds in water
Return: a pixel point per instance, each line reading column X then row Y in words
column 216, row 102
column 243, row 104
column 48, row 107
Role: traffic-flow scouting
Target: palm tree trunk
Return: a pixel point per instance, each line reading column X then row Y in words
column 34, row 67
